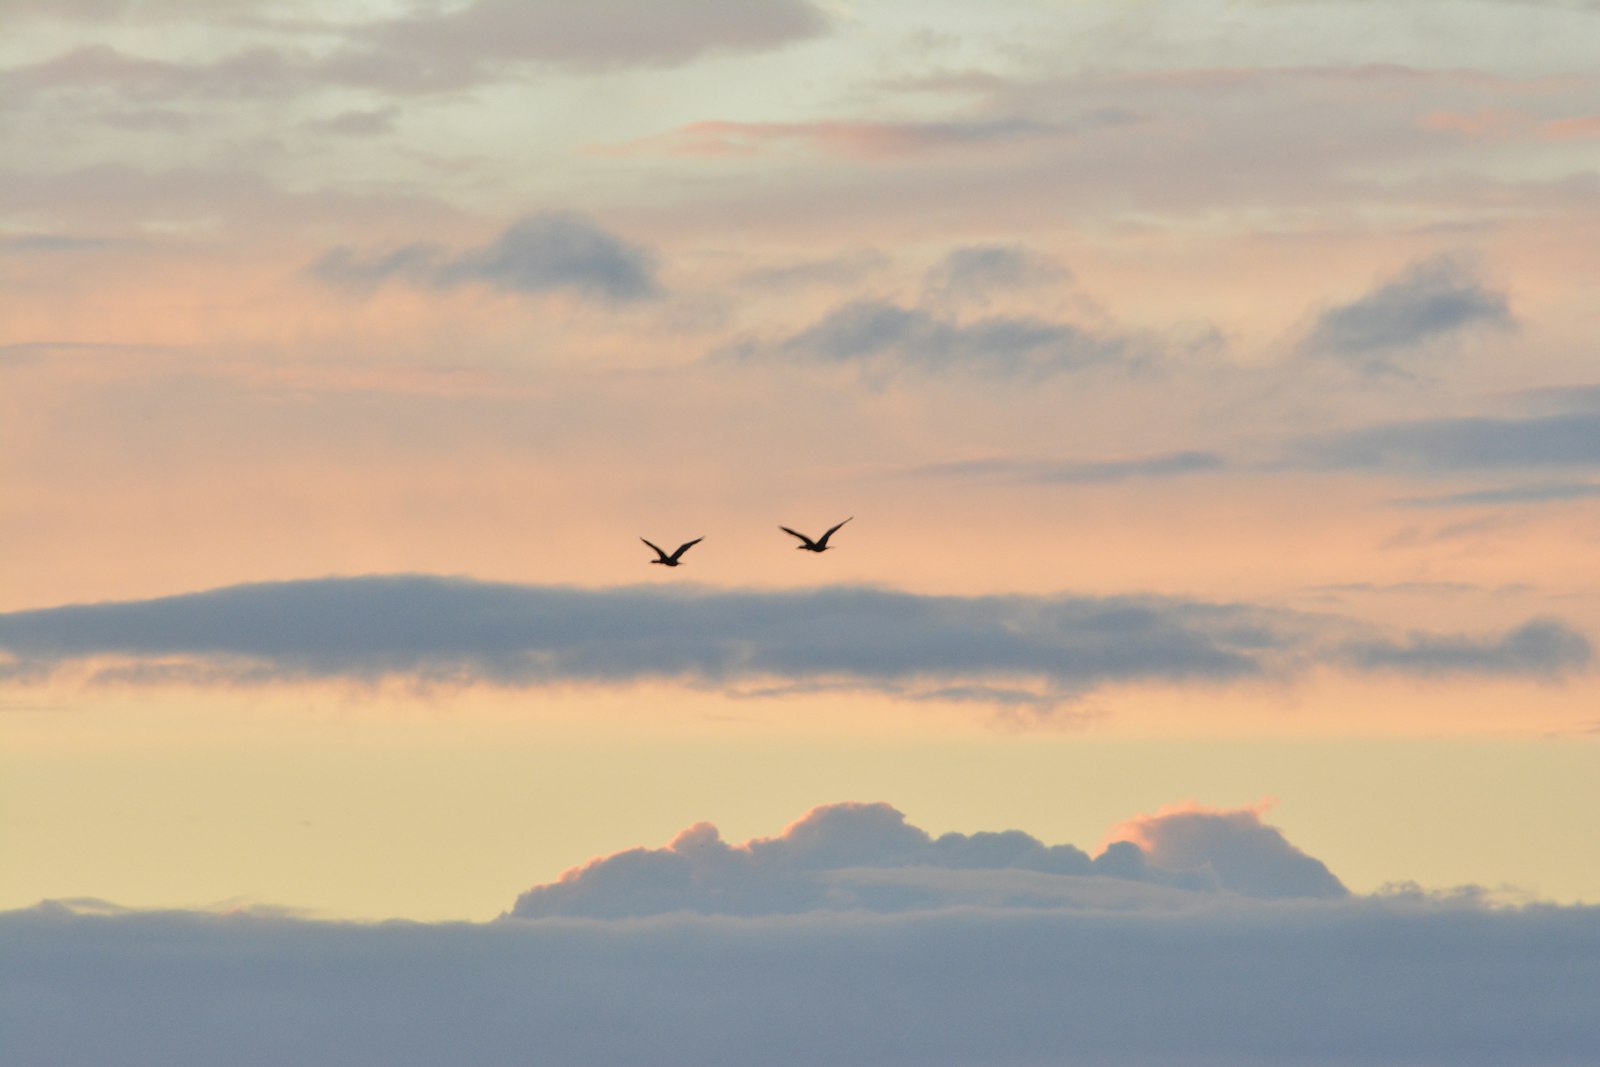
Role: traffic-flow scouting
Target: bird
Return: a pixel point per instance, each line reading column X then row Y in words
column 672, row 560
column 808, row 545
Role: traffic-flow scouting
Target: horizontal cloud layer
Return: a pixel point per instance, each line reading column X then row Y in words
column 459, row 630
column 843, row 857
column 1144, row 975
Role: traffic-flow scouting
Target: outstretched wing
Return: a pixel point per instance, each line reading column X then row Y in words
column 657, row 547
column 685, row 547
column 824, row 538
column 796, row 533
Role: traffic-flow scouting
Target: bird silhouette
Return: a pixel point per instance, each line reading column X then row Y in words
column 672, row 560
column 808, row 545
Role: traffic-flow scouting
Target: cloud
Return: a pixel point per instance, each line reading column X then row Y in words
column 1434, row 298
column 1244, row 855
column 1512, row 494
column 1537, row 648
column 843, row 139
column 1459, row 444
column 976, row 272
column 596, row 33
column 431, row 49
column 852, row 857
column 1087, row 472
column 878, row 335
column 538, row 254
column 458, row 631
column 874, row 943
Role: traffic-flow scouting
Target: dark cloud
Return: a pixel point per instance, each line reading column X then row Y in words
column 850, row 857
column 881, row 335
column 1144, row 978
column 460, row 631
column 538, row 254
column 1434, row 298
column 1538, row 648
column 1459, row 444
column 1167, row 465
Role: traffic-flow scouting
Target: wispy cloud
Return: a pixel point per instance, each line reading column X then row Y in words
column 538, row 254
column 459, row 631
column 875, row 335
column 1435, row 298
column 1542, row 493
column 1459, row 444
column 846, row 139
column 1079, row 472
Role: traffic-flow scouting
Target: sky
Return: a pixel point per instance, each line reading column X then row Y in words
column 1211, row 391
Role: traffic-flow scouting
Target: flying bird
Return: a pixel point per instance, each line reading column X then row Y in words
column 672, row 560
column 808, row 545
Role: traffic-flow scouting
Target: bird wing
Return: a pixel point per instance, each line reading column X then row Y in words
column 797, row 533
column 824, row 538
column 686, row 546
column 657, row 547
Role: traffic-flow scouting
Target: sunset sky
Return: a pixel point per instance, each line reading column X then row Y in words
column 1211, row 385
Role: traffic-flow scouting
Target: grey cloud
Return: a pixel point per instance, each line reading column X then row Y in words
column 1141, row 980
column 1459, row 444
column 844, row 857
column 1434, row 298
column 596, row 33
column 537, row 254
column 431, row 49
column 1235, row 848
column 872, row 333
column 975, row 272
column 457, row 631
column 1166, row 465
column 1537, row 648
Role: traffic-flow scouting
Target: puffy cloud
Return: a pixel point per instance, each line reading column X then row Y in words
column 875, row 334
column 537, row 254
column 845, row 857
column 1244, row 855
column 1435, row 298
column 462, row 631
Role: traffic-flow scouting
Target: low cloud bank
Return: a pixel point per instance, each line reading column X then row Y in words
column 1114, row 971
column 458, row 631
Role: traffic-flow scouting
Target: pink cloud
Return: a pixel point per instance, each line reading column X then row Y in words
column 1233, row 846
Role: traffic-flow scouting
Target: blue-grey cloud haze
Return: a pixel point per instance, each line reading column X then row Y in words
column 538, row 254
column 1084, row 472
column 1437, row 297
column 1447, row 445
column 453, row 630
column 878, row 335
